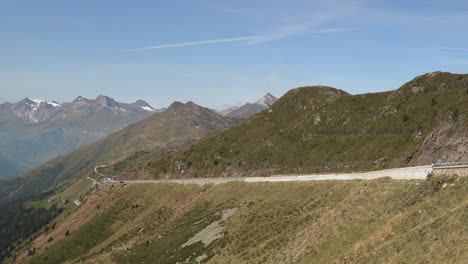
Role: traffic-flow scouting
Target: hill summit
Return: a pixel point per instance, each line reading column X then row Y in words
column 320, row 128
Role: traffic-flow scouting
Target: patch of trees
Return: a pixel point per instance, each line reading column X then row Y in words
column 19, row 221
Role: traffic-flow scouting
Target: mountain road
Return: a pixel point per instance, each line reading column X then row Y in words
column 406, row 173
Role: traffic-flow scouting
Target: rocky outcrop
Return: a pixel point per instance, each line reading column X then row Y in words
column 449, row 142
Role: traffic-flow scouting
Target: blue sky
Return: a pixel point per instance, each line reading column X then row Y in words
column 220, row 53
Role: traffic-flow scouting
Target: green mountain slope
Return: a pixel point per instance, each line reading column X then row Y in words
column 378, row 221
column 158, row 135
column 323, row 129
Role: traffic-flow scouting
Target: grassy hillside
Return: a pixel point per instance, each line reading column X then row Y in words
column 378, row 221
column 323, row 129
column 158, row 135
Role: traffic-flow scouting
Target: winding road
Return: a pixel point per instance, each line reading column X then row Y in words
column 94, row 181
column 97, row 172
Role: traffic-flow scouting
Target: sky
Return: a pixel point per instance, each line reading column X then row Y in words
column 222, row 53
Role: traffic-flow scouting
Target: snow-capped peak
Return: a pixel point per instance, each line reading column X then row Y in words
column 267, row 100
column 39, row 101
column 148, row 108
column 37, row 109
column 54, row 104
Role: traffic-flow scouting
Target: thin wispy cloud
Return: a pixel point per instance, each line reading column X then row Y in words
column 248, row 40
column 319, row 21
column 295, row 31
column 200, row 42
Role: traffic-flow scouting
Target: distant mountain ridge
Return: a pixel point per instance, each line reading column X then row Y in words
column 27, row 110
column 34, row 111
column 33, row 131
column 250, row 109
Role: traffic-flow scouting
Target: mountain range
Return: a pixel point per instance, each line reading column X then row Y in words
column 34, row 131
column 309, row 129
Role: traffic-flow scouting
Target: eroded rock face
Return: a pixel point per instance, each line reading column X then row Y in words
column 448, row 142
